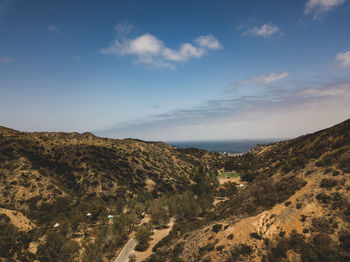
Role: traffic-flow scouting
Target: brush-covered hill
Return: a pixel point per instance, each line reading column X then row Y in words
column 42, row 166
column 48, row 178
column 295, row 207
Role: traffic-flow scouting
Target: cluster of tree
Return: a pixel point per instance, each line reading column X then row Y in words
column 320, row 248
column 263, row 193
column 57, row 247
column 13, row 243
column 143, row 236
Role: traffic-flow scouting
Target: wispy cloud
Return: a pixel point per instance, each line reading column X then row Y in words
column 343, row 59
column 148, row 49
column 213, row 115
column 124, row 28
column 75, row 57
column 264, row 79
column 265, row 30
column 319, row 7
column 5, row 60
column 53, row 28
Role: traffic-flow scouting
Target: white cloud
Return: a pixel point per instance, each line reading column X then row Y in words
column 265, row 30
column 343, row 59
column 5, row 60
column 264, row 79
column 208, row 41
column 53, row 28
column 318, row 7
column 150, row 50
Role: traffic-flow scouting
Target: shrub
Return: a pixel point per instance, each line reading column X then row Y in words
column 230, row 236
column 255, row 235
column 242, row 250
column 306, row 230
column 217, row 228
column 220, row 248
column 322, row 239
column 178, row 249
column 207, row 248
column 323, row 197
column 335, row 173
column 288, row 203
column 328, row 182
column 320, row 224
column 344, row 239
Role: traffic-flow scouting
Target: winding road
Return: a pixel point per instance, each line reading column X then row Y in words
column 127, row 250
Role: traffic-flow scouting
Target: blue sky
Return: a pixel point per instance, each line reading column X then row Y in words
column 175, row 70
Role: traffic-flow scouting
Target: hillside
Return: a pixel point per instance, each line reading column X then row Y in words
column 59, row 177
column 58, row 189
column 296, row 206
column 42, row 166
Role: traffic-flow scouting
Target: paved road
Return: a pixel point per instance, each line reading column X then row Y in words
column 129, row 247
column 127, row 250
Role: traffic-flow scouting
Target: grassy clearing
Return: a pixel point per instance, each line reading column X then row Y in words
column 228, row 174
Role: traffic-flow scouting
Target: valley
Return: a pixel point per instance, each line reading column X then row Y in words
column 78, row 197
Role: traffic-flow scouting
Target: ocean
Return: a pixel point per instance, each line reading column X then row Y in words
column 222, row 146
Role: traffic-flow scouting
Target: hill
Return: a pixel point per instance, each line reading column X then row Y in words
column 42, row 166
column 78, row 197
column 53, row 177
column 294, row 208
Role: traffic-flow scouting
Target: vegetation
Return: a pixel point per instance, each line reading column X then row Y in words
column 143, row 236
column 61, row 178
column 57, row 248
column 12, row 242
column 228, row 175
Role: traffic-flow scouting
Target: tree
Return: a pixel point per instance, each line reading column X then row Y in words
column 143, row 236
column 58, row 248
column 92, row 253
column 159, row 214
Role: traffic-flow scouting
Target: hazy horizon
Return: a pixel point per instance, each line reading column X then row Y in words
column 180, row 71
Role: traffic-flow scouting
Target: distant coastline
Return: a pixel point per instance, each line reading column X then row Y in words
column 224, row 146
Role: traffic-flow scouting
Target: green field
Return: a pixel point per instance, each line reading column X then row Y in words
column 228, row 174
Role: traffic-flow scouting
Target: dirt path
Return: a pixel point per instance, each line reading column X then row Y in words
column 158, row 235
column 18, row 219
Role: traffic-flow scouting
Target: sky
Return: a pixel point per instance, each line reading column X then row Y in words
column 175, row 70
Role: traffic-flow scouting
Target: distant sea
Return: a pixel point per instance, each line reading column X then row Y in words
column 228, row 146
